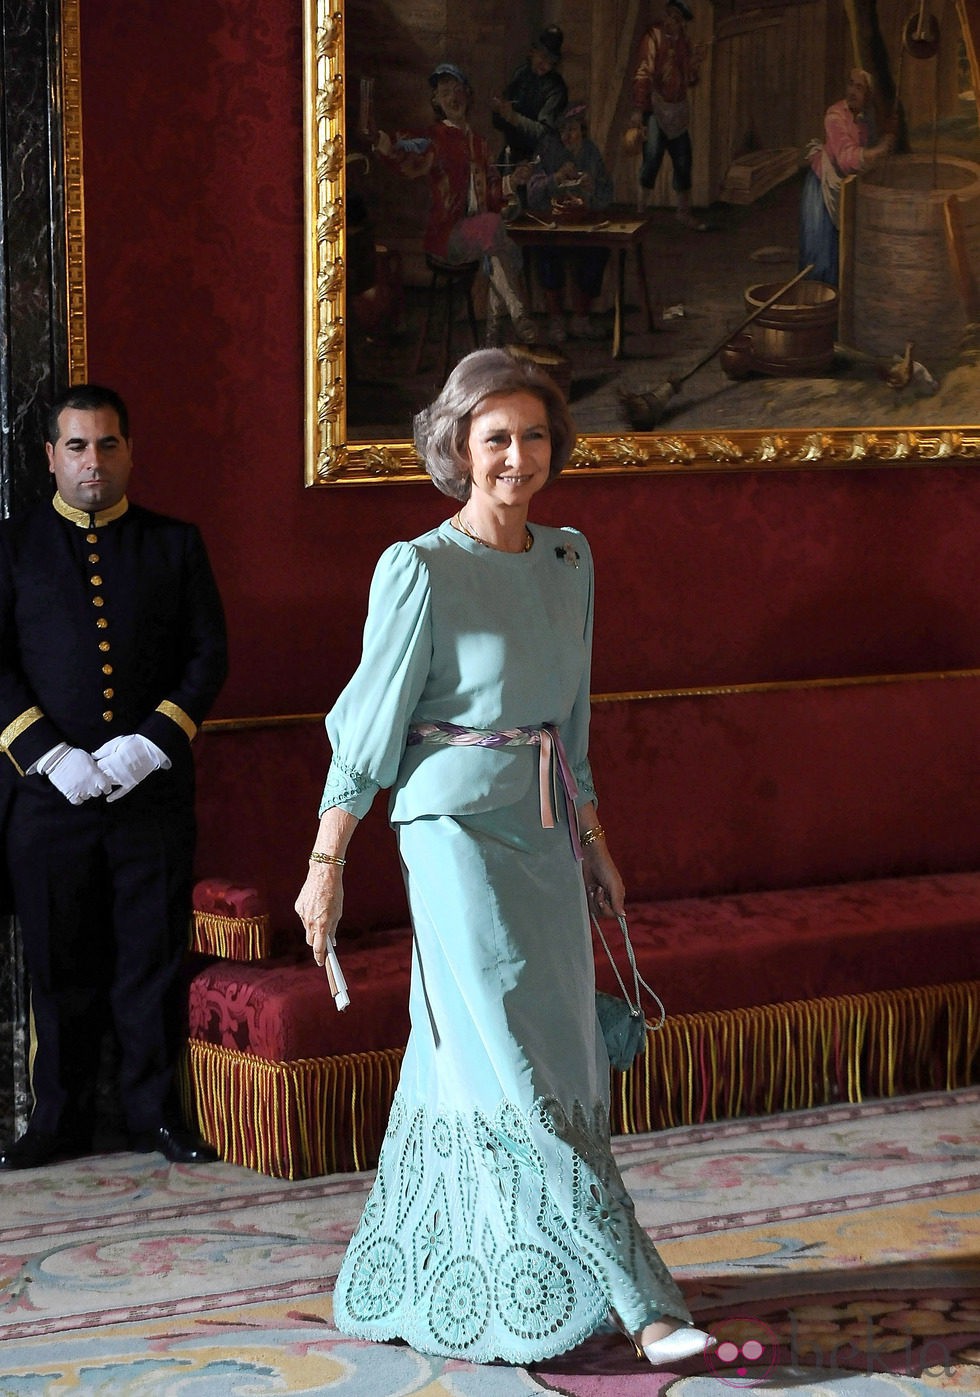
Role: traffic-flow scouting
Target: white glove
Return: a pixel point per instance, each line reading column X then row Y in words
column 126, row 761
column 73, row 772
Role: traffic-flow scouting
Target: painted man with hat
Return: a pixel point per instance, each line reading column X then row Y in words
column 667, row 66
column 571, row 174
column 466, row 199
column 534, row 99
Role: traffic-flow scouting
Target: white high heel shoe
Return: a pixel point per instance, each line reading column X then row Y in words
column 684, row 1342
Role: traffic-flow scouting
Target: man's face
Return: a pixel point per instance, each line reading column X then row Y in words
column 452, row 97
column 541, row 62
column 673, row 21
column 91, row 460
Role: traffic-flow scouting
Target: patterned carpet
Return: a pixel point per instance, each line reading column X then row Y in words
column 834, row 1252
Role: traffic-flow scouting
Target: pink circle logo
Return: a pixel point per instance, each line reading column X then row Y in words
column 745, row 1352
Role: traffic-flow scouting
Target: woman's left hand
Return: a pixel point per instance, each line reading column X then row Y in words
column 605, row 888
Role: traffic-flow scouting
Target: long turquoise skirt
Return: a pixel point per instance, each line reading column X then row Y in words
column 498, row 1226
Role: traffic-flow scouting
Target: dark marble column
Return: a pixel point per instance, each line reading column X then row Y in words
column 33, row 356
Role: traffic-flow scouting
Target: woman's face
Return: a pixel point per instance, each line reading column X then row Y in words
column 509, row 448
column 857, row 95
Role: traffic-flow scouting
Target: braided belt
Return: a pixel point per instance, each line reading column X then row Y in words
column 546, row 737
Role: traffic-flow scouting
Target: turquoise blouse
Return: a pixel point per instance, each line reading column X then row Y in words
column 457, row 632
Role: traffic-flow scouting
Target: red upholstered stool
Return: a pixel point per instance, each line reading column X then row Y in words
column 276, row 1078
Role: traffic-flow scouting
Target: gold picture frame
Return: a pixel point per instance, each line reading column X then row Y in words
column 332, row 459
column 74, row 194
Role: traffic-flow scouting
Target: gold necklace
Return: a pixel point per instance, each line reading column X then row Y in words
column 461, row 525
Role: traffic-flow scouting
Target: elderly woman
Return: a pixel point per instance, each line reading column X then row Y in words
column 498, row 1226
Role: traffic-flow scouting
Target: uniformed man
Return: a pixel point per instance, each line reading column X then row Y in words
column 112, row 650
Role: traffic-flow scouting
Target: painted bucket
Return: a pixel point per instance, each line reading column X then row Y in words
column 793, row 338
column 905, row 287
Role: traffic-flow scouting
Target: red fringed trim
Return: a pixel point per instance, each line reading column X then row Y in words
column 232, row 938
column 784, row 1057
column 328, row 1115
column 293, row 1120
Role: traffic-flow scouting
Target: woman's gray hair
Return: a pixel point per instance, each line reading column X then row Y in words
column 443, row 428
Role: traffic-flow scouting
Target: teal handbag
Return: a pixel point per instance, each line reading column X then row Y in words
column 622, row 1021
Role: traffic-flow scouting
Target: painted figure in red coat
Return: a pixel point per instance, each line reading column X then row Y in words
column 667, row 66
column 467, row 202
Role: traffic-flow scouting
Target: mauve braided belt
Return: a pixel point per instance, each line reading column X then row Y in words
column 546, row 737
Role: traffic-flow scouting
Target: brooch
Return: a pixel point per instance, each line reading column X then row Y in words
column 567, row 555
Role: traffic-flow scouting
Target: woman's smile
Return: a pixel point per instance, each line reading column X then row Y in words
column 509, row 450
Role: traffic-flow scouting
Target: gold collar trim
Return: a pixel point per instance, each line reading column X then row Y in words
column 83, row 519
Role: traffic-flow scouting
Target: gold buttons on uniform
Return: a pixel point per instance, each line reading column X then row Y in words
column 95, row 580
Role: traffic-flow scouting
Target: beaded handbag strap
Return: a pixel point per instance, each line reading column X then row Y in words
column 638, row 980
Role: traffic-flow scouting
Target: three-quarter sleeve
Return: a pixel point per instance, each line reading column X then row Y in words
column 368, row 724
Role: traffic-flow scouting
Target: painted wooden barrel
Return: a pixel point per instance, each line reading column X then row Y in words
column 793, row 338
column 904, row 281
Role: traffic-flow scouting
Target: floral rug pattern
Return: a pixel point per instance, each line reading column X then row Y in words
column 832, row 1252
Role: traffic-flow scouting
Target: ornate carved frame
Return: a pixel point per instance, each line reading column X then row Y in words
column 331, row 459
column 71, row 98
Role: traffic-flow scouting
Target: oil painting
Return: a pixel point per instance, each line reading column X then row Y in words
column 738, row 234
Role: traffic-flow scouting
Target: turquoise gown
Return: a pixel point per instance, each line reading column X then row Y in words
column 498, row 1226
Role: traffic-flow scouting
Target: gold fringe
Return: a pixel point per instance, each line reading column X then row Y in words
column 293, row 1120
column 327, row 1115
column 232, row 938
column 793, row 1056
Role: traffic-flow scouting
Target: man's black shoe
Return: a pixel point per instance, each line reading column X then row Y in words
column 36, row 1148
column 175, row 1144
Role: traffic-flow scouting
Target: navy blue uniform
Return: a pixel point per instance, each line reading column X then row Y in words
column 110, row 624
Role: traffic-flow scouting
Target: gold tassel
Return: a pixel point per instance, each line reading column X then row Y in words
column 293, row 1120
column 792, row 1056
column 232, row 938
column 326, row 1115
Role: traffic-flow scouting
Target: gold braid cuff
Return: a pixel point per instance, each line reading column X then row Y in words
column 13, row 730
column 178, row 716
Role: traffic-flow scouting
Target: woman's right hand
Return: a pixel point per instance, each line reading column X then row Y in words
column 319, row 907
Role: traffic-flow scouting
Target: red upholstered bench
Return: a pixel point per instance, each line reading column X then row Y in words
column 803, row 875
column 775, row 1000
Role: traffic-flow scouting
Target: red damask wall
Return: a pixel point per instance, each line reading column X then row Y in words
column 193, row 197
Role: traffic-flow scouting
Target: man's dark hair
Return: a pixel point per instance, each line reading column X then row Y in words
column 85, row 397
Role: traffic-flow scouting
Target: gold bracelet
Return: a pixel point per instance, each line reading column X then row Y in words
column 590, row 836
column 327, row 858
